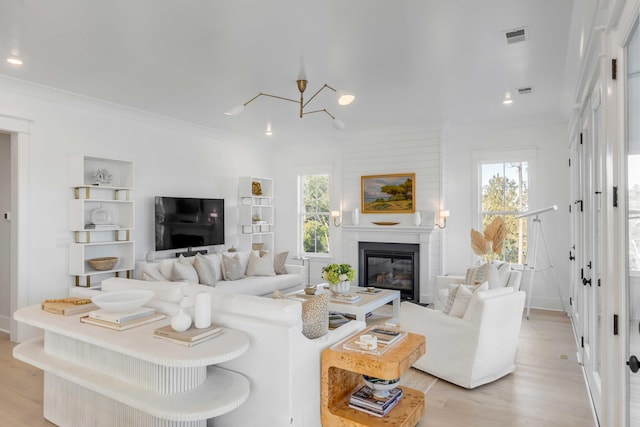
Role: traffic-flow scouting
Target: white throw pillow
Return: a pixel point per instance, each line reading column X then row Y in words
column 241, row 257
column 184, row 272
column 260, row 265
column 460, row 302
column 151, row 272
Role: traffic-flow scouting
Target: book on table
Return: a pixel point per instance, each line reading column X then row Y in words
column 346, row 297
column 364, row 400
column 121, row 326
column 190, row 335
column 121, row 316
column 386, row 336
column 188, row 343
column 68, row 306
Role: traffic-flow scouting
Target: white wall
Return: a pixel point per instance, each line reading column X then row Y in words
column 171, row 158
column 349, row 158
column 5, row 230
column 550, row 185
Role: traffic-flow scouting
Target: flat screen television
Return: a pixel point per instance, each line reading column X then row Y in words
column 182, row 222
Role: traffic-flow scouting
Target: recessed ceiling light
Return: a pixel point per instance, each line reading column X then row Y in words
column 14, row 60
column 507, row 99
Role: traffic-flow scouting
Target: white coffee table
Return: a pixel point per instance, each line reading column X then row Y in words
column 367, row 302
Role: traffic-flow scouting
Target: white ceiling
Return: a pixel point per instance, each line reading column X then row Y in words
column 411, row 63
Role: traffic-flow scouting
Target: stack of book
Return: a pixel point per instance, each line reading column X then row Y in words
column 190, row 337
column 346, row 298
column 364, row 400
column 122, row 320
column 68, row 306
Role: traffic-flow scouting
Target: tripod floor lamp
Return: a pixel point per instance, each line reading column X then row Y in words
column 537, row 236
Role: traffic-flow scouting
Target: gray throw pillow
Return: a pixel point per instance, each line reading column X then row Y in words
column 278, row 262
column 233, row 268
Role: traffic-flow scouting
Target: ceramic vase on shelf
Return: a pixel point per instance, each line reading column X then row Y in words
column 340, row 287
column 355, row 217
column 417, row 218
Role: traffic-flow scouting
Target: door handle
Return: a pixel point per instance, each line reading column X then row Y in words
column 586, row 281
column 634, row 364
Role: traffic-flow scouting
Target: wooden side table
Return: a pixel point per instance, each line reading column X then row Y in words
column 342, row 372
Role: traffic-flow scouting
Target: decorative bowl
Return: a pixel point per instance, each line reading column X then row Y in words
column 103, row 263
column 379, row 386
column 310, row 289
column 122, row 300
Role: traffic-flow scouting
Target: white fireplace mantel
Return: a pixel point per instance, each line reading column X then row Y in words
column 354, row 234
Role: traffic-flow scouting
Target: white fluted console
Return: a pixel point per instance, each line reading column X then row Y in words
column 101, row 377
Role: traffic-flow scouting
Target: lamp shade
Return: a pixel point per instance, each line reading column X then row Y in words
column 345, row 98
column 235, row 110
column 339, row 124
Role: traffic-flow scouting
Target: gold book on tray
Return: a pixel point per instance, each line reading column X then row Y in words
column 68, row 306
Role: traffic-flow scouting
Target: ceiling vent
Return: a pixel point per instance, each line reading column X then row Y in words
column 524, row 90
column 515, row 36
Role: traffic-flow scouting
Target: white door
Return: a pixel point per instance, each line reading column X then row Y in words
column 633, row 225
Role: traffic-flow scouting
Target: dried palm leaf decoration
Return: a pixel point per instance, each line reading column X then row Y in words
column 492, row 240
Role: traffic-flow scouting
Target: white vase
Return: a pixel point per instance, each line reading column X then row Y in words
column 181, row 321
column 417, row 218
column 341, row 287
column 202, row 310
column 355, row 216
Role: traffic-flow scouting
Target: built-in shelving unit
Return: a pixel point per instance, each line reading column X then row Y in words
column 256, row 211
column 101, row 216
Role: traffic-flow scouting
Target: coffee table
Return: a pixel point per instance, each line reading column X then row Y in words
column 368, row 301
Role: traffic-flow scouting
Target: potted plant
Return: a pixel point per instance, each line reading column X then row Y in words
column 339, row 277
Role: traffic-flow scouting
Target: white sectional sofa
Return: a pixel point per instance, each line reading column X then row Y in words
column 282, row 365
column 250, row 284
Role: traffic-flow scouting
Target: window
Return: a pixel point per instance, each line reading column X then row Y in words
column 314, row 213
column 504, row 191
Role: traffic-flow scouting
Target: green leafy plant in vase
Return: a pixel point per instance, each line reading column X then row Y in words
column 339, row 277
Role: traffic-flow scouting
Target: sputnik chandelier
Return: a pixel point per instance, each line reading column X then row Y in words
column 343, row 99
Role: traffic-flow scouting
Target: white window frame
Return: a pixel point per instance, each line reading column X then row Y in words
column 304, row 171
column 481, row 157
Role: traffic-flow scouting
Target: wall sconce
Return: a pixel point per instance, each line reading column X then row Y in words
column 443, row 215
column 335, row 215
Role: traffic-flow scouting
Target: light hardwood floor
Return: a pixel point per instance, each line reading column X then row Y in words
column 546, row 390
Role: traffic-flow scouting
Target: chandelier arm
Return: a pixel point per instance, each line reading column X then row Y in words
column 314, row 95
column 271, row 96
column 320, row 111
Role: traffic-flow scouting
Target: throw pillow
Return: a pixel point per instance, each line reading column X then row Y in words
column 460, row 302
column 315, row 316
column 243, row 257
column 451, row 297
column 204, row 268
column 279, row 261
column 182, row 270
column 260, row 265
column 504, row 271
column 232, row 267
column 487, row 272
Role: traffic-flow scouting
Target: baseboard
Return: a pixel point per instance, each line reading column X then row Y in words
column 5, row 324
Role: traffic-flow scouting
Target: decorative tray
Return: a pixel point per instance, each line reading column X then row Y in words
column 385, row 223
column 351, row 343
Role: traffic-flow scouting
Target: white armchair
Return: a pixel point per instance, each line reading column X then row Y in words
column 473, row 350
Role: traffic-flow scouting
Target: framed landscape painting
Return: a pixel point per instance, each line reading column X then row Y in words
column 394, row 193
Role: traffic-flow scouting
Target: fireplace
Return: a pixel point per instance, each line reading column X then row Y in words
column 393, row 266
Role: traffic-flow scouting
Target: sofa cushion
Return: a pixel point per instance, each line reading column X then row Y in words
column 460, row 296
column 151, row 272
column 232, row 267
column 483, row 294
column 206, row 272
column 183, row 270
column 279, row 261
column 260, row 264
column 259, row 285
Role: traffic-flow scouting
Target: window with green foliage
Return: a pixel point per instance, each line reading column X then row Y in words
column 504, row 192
column 314, row 213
